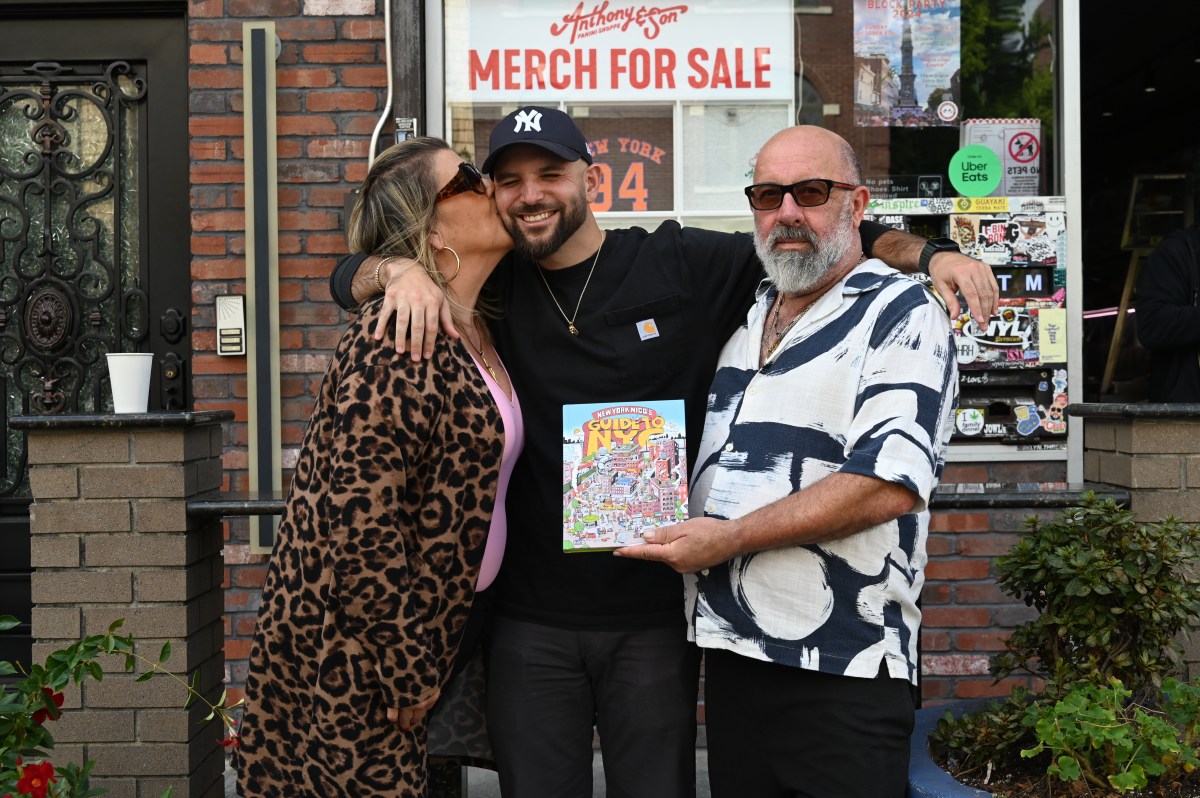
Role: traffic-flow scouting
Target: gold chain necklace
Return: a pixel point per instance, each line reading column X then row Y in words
column 571, row 321
column 777, row 333
column 765, row 351
column 482, row 357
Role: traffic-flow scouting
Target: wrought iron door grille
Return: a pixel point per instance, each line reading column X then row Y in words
column 72, row 234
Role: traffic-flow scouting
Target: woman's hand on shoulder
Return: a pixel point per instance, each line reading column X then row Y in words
column 418, row 304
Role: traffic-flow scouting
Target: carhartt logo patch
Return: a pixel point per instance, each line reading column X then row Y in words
column 647, row 329
column 528, row 121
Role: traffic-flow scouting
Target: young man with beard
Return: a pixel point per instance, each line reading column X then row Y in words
column 593, row 639
column 827, row 427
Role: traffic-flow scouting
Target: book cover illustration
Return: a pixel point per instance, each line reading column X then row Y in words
column 624, row 471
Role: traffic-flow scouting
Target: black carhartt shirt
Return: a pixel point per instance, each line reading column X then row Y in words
column 696, row 285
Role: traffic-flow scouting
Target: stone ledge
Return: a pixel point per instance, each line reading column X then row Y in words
column 121, row 421
column 1031, row 495
column 1139, row 410
column 956, row 496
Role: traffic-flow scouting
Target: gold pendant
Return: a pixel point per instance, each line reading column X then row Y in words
column 573, row 330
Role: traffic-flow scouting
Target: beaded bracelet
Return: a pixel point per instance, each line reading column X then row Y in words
column 378, row 279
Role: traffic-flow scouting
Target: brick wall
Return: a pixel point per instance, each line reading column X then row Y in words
column 1156, row 457
column 330, row 78
column 966, row 617
column 1150, row 449
column 111, row 539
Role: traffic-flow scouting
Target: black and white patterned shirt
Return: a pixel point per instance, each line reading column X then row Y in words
column 864, row 383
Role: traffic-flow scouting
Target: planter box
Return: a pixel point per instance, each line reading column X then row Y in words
column 926, row 779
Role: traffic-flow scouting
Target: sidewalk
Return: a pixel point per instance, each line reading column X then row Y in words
column 483, row 783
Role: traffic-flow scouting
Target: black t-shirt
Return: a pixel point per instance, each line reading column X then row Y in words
column 697, row 286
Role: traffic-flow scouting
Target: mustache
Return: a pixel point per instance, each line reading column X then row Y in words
column 787, row 232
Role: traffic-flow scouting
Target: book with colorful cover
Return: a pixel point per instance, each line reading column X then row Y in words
column 624, row 471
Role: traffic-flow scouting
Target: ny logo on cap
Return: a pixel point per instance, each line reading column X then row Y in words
column 528, row 120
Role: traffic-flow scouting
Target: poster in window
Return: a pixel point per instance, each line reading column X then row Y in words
column 906, row 63
column 634, row 148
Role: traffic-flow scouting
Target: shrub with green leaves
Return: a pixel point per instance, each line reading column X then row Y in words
column 1113, row 595
column 29, row 706
column 1100, row 734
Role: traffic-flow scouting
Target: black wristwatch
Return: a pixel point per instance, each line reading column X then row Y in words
column 932, row 247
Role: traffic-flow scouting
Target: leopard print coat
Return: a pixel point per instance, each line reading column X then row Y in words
column 373, row 572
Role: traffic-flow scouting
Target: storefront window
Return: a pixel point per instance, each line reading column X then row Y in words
column 950, row 105
column 674, row 100
column 634, row 146
column 703, row 85
column 716, row 140
column 810, row 108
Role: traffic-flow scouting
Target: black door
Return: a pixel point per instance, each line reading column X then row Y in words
column 93, row 228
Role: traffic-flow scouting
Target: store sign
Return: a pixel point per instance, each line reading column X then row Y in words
column 552, row 50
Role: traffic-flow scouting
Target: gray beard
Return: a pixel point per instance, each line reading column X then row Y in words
column 800, row 272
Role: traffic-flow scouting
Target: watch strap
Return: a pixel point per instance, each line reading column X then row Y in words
column 932, row 247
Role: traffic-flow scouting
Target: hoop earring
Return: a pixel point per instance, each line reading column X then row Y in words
column 458, row 268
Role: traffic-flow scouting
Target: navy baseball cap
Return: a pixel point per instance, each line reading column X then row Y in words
column 548, row 128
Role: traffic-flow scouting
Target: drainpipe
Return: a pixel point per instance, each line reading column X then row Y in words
column 387, row 105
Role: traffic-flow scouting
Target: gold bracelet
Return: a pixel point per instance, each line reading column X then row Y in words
column 378, row 279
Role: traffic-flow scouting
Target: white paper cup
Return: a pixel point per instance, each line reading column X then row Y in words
column 129, row 376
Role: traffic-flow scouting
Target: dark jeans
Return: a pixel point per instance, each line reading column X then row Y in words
column 775, row 731
column 546, row 688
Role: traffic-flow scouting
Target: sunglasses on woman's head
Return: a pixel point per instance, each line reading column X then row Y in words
column 468, row 178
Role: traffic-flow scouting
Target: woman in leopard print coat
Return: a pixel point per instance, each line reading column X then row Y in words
column 376, row 561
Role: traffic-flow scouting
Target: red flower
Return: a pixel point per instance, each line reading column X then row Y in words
column 44, row 713
column 231, row 741
column 36, row 780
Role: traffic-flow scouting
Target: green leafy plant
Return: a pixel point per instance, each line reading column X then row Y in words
column 1112, row 596
column 1099, row 734
column 28, row 707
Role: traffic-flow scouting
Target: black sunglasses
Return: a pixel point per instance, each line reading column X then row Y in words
column 807, row 193
column 468, row 178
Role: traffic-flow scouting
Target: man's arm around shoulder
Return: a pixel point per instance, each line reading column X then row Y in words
column 342, row 278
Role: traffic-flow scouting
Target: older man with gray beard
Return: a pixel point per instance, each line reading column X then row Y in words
column 825, row 435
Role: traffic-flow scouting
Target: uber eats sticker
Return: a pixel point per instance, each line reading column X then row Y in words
column 975, row 171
